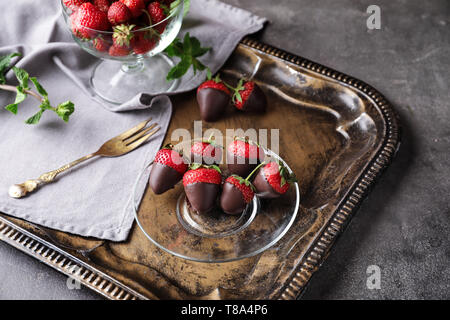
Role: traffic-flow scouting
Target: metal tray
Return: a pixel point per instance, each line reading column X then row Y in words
column 341, row 134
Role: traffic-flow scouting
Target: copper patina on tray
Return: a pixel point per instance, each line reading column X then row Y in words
column 341, row 134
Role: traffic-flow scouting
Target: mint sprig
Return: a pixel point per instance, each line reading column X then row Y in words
column 175, row 4
column 188, row 51
column 63, row 110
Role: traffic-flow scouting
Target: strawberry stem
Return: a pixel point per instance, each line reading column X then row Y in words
column 254, row 170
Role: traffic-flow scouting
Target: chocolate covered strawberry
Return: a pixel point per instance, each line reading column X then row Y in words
column 213, row 97
column 237, row 193
column 248, row 96
column 167, row 169
column 206, row 151
column 88, row 18
column 243, row 156
column 273, row 180
column 202, row 186
column 118, row 13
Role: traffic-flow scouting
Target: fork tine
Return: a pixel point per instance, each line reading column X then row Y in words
column 140, row 141
column 139, row 134
column 133, row 130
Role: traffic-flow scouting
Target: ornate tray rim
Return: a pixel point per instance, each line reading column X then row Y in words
column 110, row 288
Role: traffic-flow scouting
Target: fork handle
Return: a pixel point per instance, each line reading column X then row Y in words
column 20, row 190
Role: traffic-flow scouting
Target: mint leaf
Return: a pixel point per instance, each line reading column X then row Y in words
column 187, row 6
column 35, row 119
column 180, row 69
column 39, row 88
column 12, row 108
column 65, row 109
column 20, row 97
column 187, row 51
column 22, row 76
column 196, row 47
column 5, row 62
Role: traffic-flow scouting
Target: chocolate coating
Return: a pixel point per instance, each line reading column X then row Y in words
column 202, row 196
column 256, row 102
column 163, row 178
column 239, row 165
column 231, row 200
column 212, row 103
column 263, row 188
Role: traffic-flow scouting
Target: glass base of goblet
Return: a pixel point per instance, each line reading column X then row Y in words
column 117, row 82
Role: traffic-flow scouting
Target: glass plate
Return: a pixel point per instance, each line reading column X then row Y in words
column 168, row 222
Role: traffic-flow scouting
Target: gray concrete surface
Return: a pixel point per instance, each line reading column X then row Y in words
column 403, row 226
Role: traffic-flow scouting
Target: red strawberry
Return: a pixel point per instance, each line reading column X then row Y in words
column 157, row 15
column 101, row 44
column 102, row 5
column 248, row 96
column 119, row 51
column 206, row 151
column 74, row 4
column 122, row 36
column 237, row 193
column 89, row 17
column 135, row 6
column 118, row 13
column 273, row 180
column 168, row 168
column 213, row 97
column 243, row 156
column 202, row 185
column 143, row 42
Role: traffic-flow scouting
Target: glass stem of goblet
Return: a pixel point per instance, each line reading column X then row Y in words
column 132, row 67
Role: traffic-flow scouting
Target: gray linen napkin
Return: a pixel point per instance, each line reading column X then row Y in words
column 94, row 199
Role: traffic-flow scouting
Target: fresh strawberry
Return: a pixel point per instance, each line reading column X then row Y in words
column 273, row 180
column 248, row 96
column 202, row 185
column 236, row 195
column 74, row 4
column 101, row 44
column 87, row 19
column 123, row 34
column 118, row 13
column 135, row 6
column 206, row 151
column 243, row 156
column 102, row 5
column 119, row 51
column 213, row 97
column 168, row 168
column 157, row 15
column 143, row 42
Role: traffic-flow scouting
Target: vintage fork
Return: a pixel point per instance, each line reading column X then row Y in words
column 117, row 146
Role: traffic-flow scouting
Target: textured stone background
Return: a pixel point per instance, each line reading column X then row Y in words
column 403, row 226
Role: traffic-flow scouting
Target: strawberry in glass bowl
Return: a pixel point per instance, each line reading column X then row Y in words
column 129, row 37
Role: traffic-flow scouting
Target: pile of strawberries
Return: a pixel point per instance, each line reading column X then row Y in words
column 204, row 184
column 124, row 21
